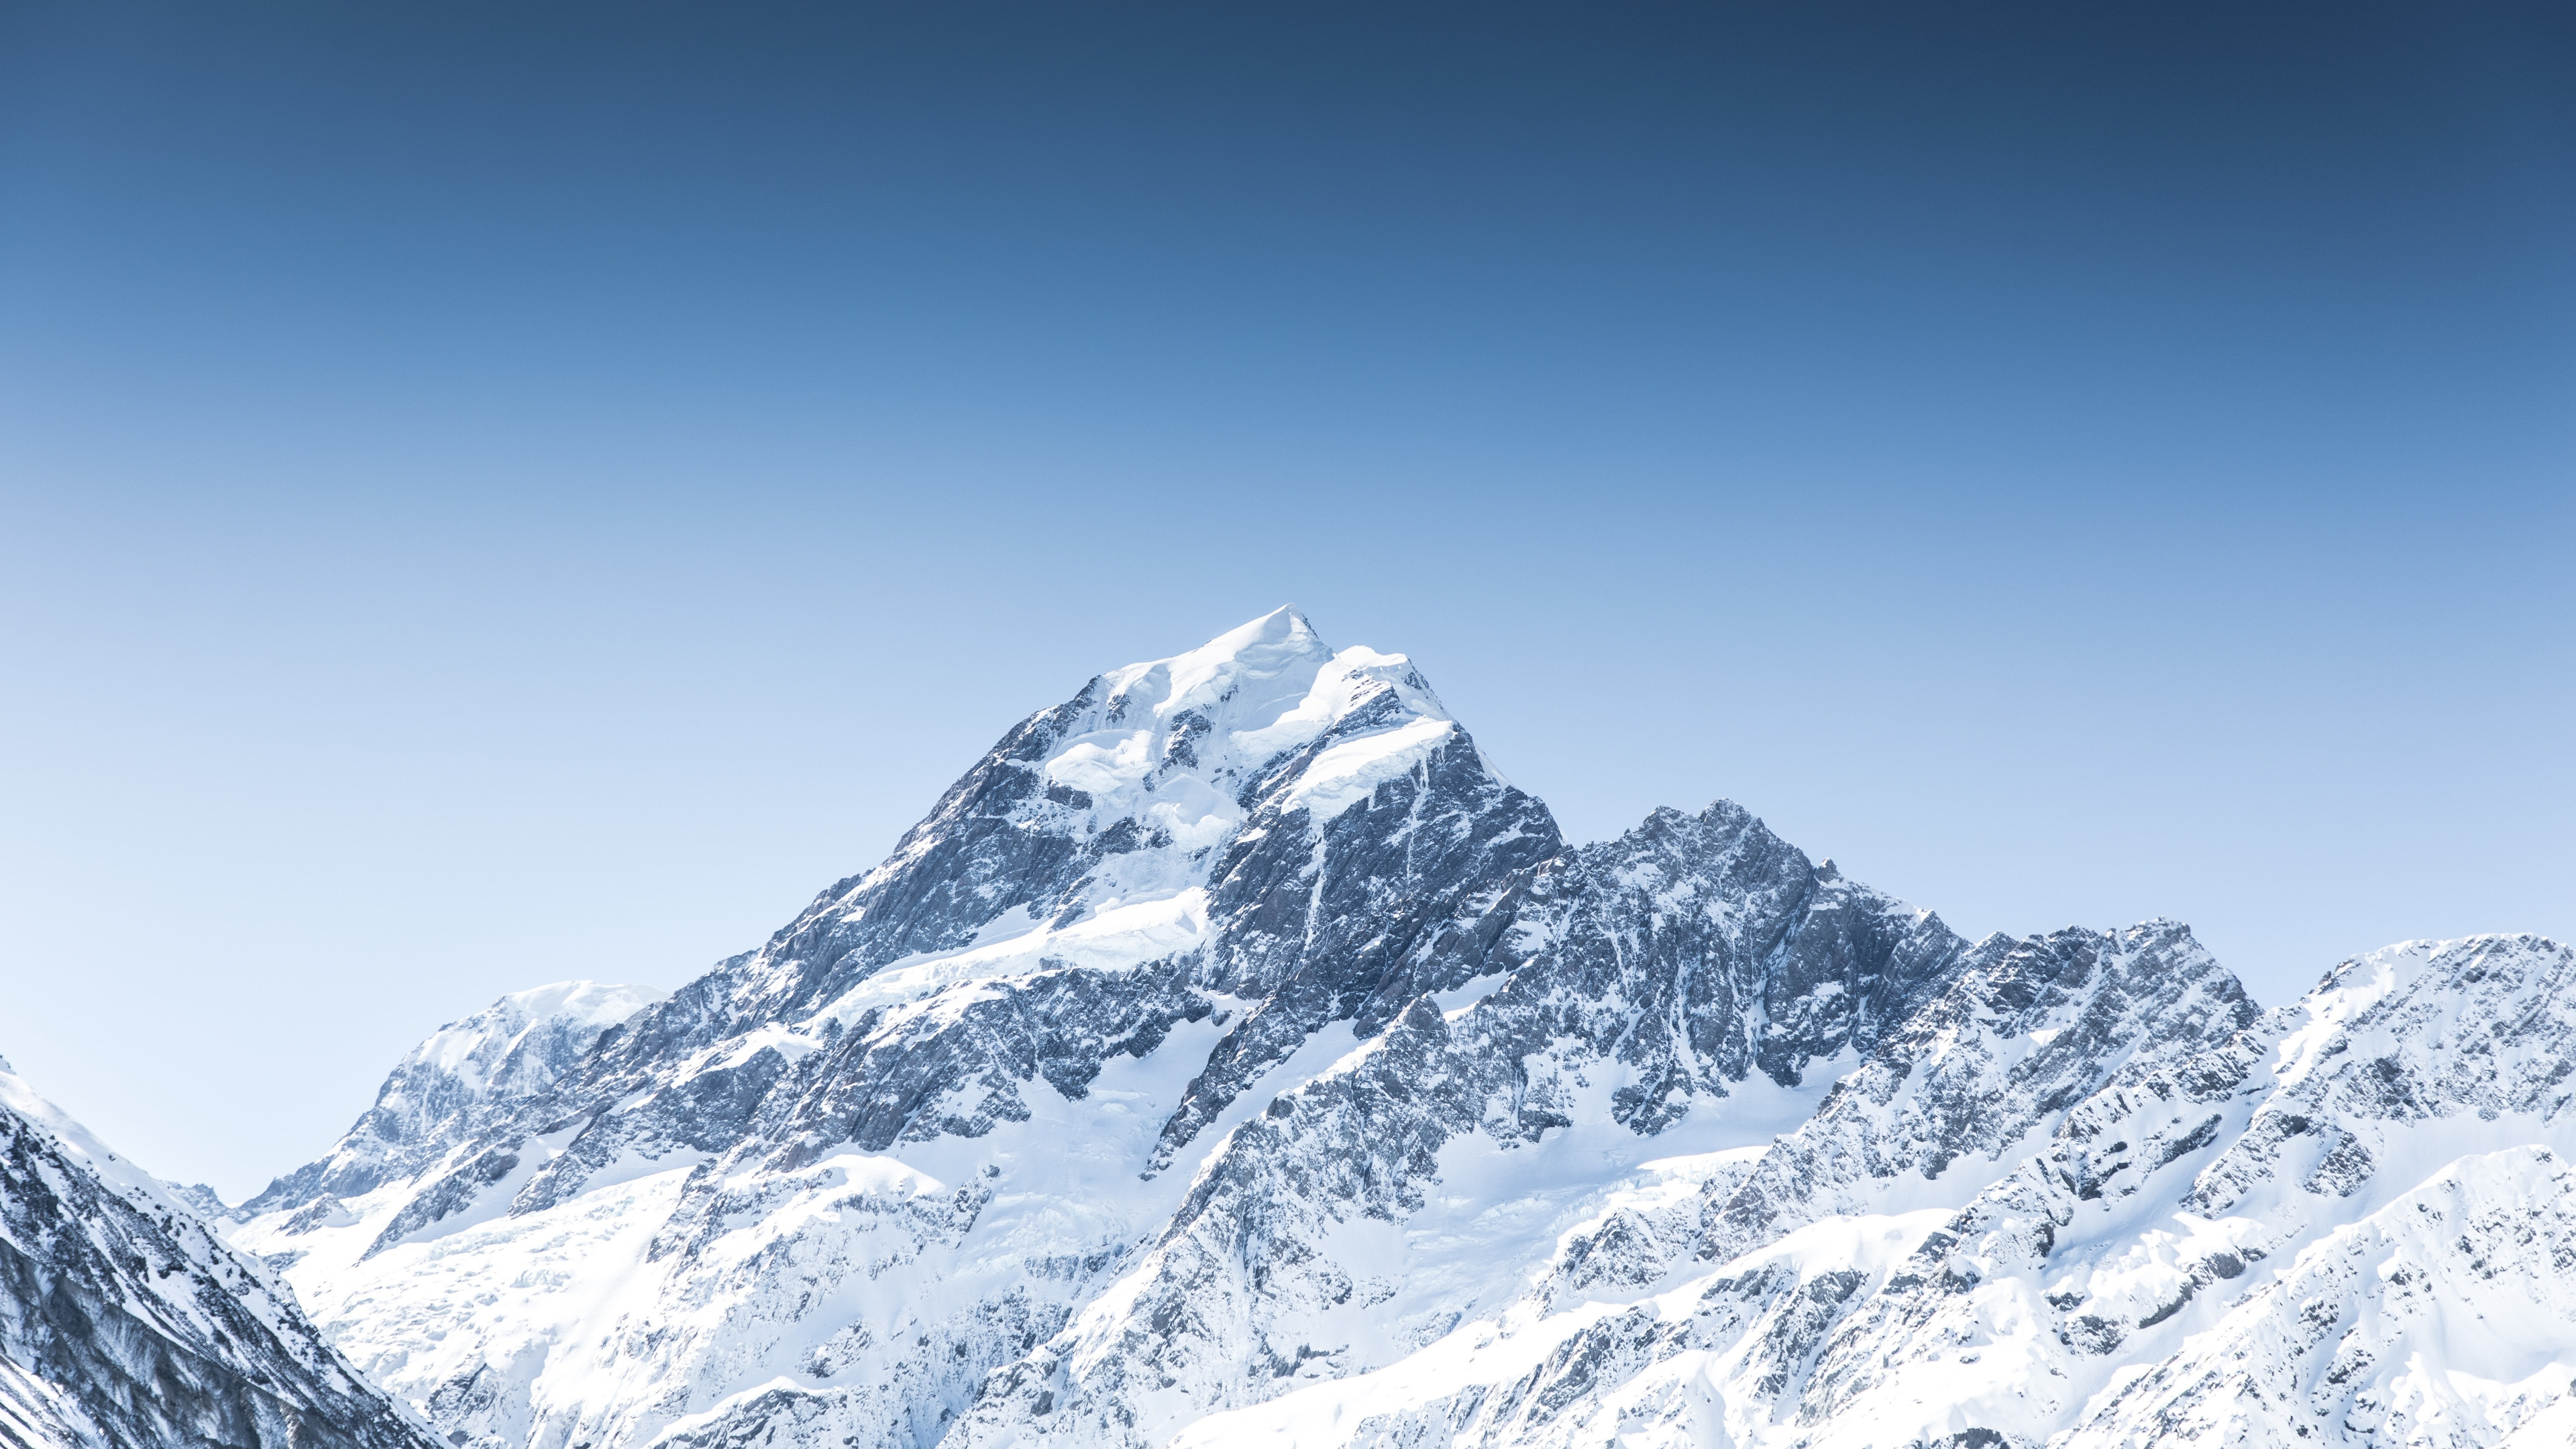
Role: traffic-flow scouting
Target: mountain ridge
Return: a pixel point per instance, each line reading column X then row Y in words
column 1233, row 1039
column 126, row 1320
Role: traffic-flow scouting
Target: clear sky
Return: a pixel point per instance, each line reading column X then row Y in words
column 493, row 494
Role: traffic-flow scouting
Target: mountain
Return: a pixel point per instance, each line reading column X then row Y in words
column 1233, row 1055
column 128, row 1324
column 2397, row 1142
column 839, row 1178
column 467, row 1074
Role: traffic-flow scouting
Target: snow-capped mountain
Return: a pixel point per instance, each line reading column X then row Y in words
column 128, row 1324
column 466, row 1074
column 1233, row 1055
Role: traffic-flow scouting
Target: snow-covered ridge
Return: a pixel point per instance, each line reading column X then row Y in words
column 78, row 1144
column 489, row 1053
column 126, row 1321
column 441, row 1092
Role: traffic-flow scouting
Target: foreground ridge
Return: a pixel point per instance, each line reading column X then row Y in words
column 128, row 1324
column 1233, row 1055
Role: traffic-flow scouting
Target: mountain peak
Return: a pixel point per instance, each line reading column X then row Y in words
column 480, row 1049
column 1152, row 738
column 1279, row 646
column 510, row 1051
column 1285, row 627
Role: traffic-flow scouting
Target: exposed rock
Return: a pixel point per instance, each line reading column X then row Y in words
column 126, row 1323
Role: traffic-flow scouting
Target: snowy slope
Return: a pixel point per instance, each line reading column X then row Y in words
column 1234, row 1056
column 2447, row 1317
column 128, row 1322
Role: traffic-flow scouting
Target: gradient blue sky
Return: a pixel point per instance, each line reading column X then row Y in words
column 492, row 494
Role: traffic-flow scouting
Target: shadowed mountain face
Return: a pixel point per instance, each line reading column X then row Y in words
column 1233, row 1054
column 126, row 1322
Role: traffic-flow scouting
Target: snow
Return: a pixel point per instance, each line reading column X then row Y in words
column 1510, row 1347
column 2487, row 1361
column 535, row 1292
column 469, row 1048
column 82, row 1144
column 1117, row 936
column 802, row 1269
column 150, row 1328
column 2455, row 1323
column 1347, row 773
column 1262, row 691
column 533, row 1284
column 1168, row 746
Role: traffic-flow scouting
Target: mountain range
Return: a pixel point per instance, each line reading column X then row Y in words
column 1234, row 1056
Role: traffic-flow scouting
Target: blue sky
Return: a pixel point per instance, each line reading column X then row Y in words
column 497, row 494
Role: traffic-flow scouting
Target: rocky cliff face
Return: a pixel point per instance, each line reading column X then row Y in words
column 1695, row 969
column 1233, row 1055
column 126, row 1323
